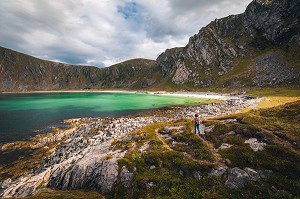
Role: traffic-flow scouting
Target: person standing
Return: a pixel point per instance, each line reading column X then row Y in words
column 197, row 124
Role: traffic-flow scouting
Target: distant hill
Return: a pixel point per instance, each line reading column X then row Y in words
column 258, row 48
column 20, row 72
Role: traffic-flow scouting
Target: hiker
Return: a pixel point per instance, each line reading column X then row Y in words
column 197, row 122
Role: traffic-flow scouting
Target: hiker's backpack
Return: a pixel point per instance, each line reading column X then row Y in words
column 197, row 120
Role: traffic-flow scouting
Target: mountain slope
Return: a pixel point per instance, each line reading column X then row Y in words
column 261, row 47
column 20, row 72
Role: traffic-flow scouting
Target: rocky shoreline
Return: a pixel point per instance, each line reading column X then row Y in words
column 82, row 157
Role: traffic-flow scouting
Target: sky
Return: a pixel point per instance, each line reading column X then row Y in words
column 104, row 32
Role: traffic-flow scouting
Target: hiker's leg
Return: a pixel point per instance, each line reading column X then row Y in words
column 195, row 126
column 198, row 128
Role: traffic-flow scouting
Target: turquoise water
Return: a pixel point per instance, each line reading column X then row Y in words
column 24, row 115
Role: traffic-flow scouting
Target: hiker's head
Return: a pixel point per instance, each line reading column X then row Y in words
column 196, row 115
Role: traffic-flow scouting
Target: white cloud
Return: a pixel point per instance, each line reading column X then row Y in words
column 103, row 32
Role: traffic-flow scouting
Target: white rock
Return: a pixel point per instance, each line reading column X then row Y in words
column 255, row 145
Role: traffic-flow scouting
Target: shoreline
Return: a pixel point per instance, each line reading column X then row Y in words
column 205, row 95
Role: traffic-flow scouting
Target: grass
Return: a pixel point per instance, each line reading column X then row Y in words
column 175, row 164
column 56, row 194
column 172, row 176
column 279, row 128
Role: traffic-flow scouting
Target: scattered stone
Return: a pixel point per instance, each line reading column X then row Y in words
column 209, row 129
column 237, row 178
column 265, row 173
column 127, row 139
column 217, row 172
column 197, row 175
column 255, row 145
column 224, row 146
column 152, row 167
column 167, row 129
column 230, row 133
column 227, row 162
column 144, row 147
column 181, row 172
column 150, row 184
column 254, row 175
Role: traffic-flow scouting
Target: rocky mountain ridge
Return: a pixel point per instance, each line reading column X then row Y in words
column 260, row 47
column 214, row 51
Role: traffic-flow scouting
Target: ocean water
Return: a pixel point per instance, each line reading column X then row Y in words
column 25, row 115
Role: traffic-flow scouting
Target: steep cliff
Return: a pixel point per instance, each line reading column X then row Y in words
column 229, row 51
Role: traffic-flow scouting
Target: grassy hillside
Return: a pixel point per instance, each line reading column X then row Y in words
column 174, row 164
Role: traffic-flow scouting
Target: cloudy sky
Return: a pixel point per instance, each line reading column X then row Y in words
column 104, row 32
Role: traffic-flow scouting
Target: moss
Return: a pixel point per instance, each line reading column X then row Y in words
column 107, row 157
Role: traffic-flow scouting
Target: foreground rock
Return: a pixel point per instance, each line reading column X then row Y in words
column 238, row 178
column 255, row 145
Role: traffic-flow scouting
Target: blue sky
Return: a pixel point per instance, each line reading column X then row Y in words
column 105, row 32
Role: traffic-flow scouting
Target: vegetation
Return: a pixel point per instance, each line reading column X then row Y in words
column 166, row 168
column 56, row 194
column 278, row 127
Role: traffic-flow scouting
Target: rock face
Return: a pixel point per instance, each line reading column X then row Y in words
column 82, row 159
column 91, row 171
column 278, row 20
column 271, row 70
column 214, row 50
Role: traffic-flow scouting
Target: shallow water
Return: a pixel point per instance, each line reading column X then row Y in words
column 24, row 115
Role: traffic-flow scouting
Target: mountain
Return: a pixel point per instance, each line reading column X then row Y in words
column 20, row 72
column 258, row 48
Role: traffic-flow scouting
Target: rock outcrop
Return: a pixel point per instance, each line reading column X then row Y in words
column 237, row 178
column 214, row 51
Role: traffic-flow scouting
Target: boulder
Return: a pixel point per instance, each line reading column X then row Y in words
column 224, row 146
column 255, row 145
column 237, row 178
column 254, row 175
